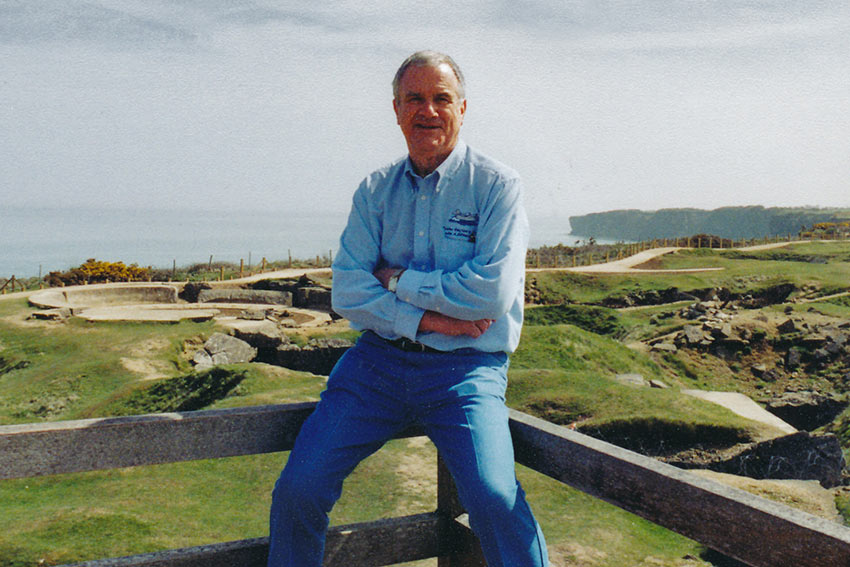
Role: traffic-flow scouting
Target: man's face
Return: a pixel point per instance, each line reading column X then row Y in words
column 430, row 113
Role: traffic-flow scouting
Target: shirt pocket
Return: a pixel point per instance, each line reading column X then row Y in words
column 455, row 245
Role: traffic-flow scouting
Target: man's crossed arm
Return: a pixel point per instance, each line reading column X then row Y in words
column 437, row 322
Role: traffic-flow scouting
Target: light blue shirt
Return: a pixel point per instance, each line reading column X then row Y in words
column 461, row 233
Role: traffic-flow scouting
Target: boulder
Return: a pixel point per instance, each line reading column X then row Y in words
column 224, row 349
column 793, row 358
column 693, row 334
column 313, row 297
column 202, row 360
column 800, row 455
column 759, row 369
column 191, row 290
column 806, row 410
column 260, row 334
column 789, row 326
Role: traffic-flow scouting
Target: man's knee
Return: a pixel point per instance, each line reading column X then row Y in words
column 306, row 489
column 494, row 496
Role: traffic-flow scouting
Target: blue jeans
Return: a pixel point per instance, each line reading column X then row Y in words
column 375, row 391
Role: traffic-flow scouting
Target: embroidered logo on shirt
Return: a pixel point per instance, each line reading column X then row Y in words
column 461, row 226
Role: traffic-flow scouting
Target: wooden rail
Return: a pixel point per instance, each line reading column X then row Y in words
column 753, row 530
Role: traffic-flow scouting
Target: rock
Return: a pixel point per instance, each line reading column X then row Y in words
column 806, row 410
column 789, row 326
column 793, row 358
column 225, row 349
column 631, row 379
column 772, row 375
column 658, row 384
column 58, row 314
column 693, row 334
column 313, row 297
column 253, row 314
column 797, row 456
column 664, row 347
column 319, row 355
column 191, row 290
column 833, row 349
column 260, row 334
column 202, row 360
column 759, row 369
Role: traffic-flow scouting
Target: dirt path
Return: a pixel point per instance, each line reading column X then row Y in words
column 627, row 265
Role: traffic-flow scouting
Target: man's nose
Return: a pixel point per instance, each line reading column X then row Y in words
column 429, row 108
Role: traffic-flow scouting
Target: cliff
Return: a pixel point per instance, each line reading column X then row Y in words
column 726, row 222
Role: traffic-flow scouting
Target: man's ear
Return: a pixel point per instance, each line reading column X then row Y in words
column 395, row 109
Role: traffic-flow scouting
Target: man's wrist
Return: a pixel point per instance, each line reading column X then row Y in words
column 392, row 283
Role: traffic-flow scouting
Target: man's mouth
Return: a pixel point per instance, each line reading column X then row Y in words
column 426, row 127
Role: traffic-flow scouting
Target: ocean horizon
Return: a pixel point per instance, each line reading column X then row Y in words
column 40, row 240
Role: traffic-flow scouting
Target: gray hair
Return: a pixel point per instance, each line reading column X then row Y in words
column 429, row 59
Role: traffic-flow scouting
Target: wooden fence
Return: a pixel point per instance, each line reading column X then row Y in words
column 756, row 531
column 560, row 256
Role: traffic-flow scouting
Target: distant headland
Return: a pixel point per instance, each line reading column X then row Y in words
column 726, row 222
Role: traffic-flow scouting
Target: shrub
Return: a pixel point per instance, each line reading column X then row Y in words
column 95, row 271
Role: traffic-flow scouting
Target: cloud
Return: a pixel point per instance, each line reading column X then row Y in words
column 63, row 23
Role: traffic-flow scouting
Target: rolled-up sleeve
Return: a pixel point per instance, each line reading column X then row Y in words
column 357, row 294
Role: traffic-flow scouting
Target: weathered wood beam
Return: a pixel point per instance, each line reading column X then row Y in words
column 372, row 544
column 95, row 444
column 754, row 530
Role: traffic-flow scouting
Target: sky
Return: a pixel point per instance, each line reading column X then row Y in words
column 260, row 105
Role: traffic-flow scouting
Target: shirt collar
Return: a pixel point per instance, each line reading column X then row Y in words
column 445, row 170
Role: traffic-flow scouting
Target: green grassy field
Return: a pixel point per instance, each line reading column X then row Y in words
column 563, row 371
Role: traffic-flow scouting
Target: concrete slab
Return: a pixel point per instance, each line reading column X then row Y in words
column 163, row 313
column 743, row 406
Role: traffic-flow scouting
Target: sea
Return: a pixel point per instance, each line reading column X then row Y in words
column 36, row 241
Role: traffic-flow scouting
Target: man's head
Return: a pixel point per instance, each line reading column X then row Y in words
column 429, row 102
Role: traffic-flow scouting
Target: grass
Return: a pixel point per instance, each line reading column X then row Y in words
column 69, row 371
column 597, row 320
column 566, row 375
column 564, row 371
column 741, row 272
column 77, row 517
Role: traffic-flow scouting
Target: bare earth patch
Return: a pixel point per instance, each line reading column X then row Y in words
column 142, row 359
column 418, row 471
column 575, row 555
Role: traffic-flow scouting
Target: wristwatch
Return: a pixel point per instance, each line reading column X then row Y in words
column 392, row 284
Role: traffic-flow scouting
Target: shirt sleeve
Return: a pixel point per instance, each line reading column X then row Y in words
column 488, row 284
column 357, row 295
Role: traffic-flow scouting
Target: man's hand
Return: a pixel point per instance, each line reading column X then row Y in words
column 438, row 323
column 384, row 275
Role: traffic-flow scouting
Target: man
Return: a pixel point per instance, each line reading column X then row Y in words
column 431, row 267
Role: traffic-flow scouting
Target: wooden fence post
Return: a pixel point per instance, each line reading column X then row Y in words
column 465, row 549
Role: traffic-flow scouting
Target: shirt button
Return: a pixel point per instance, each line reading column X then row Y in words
column 421, row 233
column 423, row 197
